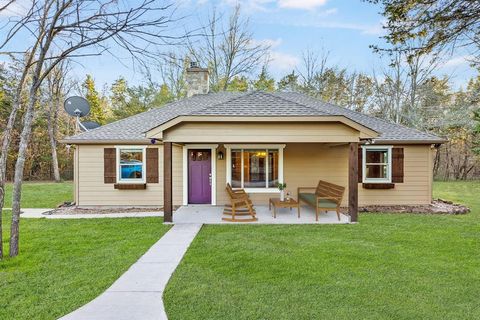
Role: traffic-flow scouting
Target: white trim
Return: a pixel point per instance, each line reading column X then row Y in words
column 261, row 190
column 185, row 176
column 144, row 164
column 389, row 164
column 213, row 156
column 255, row 146
column 280, row 165
column 279, row 147
column 228, row 159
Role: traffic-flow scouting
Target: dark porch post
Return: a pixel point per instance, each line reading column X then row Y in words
column 353, row 182
column 167, row 182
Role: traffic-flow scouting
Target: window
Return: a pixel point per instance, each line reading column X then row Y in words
column 377, row 164
column 131, row 164
column 255, row 168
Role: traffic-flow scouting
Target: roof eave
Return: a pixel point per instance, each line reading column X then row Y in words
column 405, row 141
column 105, row 141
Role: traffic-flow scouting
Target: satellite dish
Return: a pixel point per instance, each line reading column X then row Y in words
column 77, row 106
column 90, row 125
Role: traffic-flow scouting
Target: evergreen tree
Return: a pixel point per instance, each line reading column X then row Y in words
column 163, row 96
column 264, row 82
column 238, row 84
column 97, row 112
column 119, row 93
column 289, row 83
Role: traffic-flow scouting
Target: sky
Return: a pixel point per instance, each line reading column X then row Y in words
column 343, row 28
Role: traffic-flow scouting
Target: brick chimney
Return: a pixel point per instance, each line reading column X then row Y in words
column 197, row 80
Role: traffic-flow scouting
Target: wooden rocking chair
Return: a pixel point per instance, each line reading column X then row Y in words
column 240, row 205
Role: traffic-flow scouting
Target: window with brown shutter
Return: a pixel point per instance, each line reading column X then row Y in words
column 397, row 165
column 152, row 165
column 109, row 165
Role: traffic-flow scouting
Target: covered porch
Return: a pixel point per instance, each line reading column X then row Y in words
column 201, row 155
column 206, row 214
column 339, row 164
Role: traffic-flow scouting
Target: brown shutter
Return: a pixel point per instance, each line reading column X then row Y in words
column 152, row 165
column 360, row 165
column 109, row 165
column 397, row 165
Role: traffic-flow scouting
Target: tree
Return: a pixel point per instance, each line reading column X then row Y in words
column 359, row 91
column 289, row 83
column 312, row 71
column 18, row 95
column 58, row 30
column 56, row 90
column 228, row 51
column 7, row 87
column 264, row 81
column 391, row 90
column 127, row 101
column 118, row 95
column 237, row 84
column 173, row 71
column 163, row 96
column 443, row 24
column 97, row 106
column 476, row 118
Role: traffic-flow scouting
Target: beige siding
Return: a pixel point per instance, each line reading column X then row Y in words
column 177, row 174
column 417, row 186
column 261, row 132
column 92, row 191
column 304, row 165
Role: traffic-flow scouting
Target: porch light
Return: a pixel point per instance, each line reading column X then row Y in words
column 220, row 155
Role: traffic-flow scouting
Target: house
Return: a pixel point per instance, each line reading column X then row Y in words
column 186, row 151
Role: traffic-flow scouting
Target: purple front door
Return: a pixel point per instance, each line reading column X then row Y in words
column 199, row 176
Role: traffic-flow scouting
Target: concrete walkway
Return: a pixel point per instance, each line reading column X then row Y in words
column 137, row 294
column 40, row 213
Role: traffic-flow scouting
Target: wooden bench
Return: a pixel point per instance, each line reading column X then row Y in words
column 326, row 196
column 240, row 205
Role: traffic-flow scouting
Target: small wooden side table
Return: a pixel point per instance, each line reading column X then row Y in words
column 276, row 203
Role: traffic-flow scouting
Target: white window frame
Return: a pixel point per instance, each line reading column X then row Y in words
column 388, row 164
column 144, row 164
column 279, row 147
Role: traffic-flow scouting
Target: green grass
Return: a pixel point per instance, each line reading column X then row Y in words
column 389, row 266
column 64, row 264
column 41, row 194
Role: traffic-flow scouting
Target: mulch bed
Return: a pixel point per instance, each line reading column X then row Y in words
column 438, row 206
column 71, row 209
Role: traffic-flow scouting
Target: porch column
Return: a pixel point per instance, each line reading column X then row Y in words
column 353, row 181
column 167, row 182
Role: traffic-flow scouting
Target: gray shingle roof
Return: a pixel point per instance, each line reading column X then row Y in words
column 255, row 103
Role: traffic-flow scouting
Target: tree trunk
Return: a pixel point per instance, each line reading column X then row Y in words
column 19, row 166
column 447, row 161
column 56, row 171
column 52, row 123
column 6, row 141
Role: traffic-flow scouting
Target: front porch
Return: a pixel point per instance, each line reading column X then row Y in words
column 299, row 164
column 207, row 214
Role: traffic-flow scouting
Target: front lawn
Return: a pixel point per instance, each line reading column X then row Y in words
column 64, row 264
column 389, row 266
column 41, row 194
